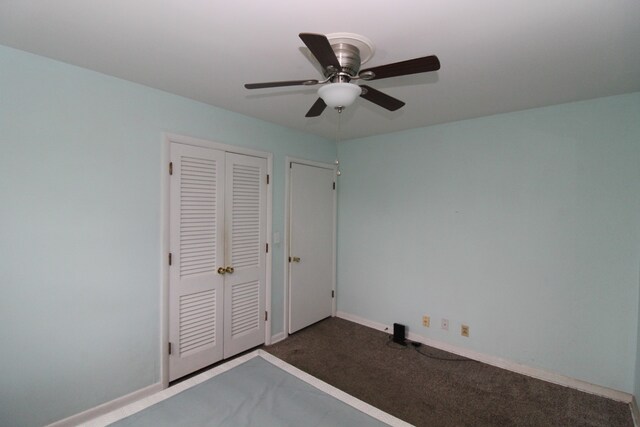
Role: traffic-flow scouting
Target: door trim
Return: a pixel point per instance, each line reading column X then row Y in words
column 287, row 207
column 167, row 139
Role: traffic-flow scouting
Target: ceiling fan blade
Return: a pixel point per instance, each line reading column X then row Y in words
column 280, row 84
column 316, row 109
column 403, row 68
column 381, row 99
column 320, row 47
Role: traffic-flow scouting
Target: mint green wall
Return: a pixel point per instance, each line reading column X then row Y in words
column 80, row 178
column 524, row 226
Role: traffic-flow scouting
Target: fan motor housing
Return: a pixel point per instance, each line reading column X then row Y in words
column 349, row 58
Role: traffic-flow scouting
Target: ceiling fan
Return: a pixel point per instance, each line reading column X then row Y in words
column 341, row 56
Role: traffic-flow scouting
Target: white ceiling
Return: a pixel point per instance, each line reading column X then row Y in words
column 497, row 55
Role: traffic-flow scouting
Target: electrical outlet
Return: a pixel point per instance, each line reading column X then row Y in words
column 444, row 324
column 464, row 330
column 426, row 321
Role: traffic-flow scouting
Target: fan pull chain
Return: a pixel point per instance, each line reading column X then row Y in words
column 339, row 125
column 338, row 139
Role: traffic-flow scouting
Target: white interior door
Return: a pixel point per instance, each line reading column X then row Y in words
column 311, row 244
column 245, row 253
column 196, row 245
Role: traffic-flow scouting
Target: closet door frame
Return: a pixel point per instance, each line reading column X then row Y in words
column 169, row 138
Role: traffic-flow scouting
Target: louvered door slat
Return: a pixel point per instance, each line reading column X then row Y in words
column 245, row 215
column 245, row 306
column 201, row 194
column 192, row 317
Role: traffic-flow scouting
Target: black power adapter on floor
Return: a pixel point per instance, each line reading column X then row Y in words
column 399, row 334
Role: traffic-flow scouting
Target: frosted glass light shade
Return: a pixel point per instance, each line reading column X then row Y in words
column 339, row 94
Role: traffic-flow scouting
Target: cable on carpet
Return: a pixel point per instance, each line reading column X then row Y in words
column 417, row 345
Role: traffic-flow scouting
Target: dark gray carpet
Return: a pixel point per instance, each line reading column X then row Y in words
column 430, row 392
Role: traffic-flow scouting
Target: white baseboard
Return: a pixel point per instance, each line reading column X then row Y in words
column 278, row 337
column 635, row 412
column 364, row 322
column 94, row 412
column 501, row 363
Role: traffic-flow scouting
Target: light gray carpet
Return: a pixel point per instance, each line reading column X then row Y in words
column 430, row 392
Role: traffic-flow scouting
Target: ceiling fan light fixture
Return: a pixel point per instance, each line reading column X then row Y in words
column 339, row 94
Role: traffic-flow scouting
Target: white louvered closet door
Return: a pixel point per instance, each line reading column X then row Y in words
column 197, row 251
column 245, row 234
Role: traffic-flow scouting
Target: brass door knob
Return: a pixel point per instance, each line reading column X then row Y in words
column 295, row 259
column 221, row 270
column 229, row 270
